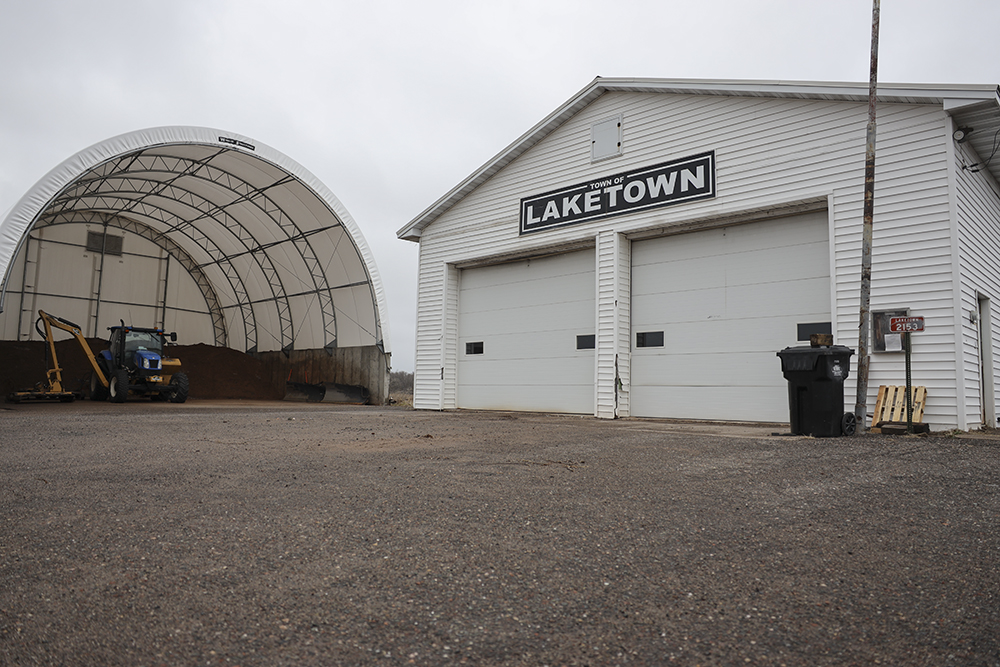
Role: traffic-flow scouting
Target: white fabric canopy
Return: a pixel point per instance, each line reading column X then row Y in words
column 276, row 257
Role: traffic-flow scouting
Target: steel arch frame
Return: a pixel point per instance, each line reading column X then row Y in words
column 215, row 309
column 231, row 274
column 175, row 223
column 122, row 166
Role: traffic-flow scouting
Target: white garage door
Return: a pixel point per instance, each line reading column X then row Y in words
column 710, row 310
column 518, row 331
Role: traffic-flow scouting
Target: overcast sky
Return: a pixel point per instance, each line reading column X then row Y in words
column 391, row 104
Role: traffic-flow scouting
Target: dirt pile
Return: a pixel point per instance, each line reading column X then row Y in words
column 214, row 372
column 221, row 372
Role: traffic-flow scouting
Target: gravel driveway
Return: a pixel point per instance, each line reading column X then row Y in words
column 216, row 533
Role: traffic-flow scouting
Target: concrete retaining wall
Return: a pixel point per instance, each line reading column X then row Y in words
column 367, row 367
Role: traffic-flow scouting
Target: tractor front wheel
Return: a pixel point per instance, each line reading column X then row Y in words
column 180, row 383
column 119, row 386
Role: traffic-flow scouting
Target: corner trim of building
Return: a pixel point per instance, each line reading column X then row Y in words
column 956, row 270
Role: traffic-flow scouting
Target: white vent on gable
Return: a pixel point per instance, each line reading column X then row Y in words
column 606, row 138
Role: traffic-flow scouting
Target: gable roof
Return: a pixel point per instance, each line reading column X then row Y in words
column 977, row 106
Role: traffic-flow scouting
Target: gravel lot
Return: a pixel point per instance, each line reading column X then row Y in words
column 229, row 533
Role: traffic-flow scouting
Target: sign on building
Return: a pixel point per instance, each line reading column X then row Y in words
column 688, row 179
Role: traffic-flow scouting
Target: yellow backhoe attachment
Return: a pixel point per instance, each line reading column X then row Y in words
column 52, row 389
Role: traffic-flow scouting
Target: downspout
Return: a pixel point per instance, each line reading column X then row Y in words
column 958, row 316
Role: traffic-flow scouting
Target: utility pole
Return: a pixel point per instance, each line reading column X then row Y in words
column 864, row 328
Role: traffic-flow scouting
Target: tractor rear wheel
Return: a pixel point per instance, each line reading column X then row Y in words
column 119, row 386
column 180, row 383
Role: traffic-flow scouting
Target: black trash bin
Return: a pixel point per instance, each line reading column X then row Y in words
column 816, row 390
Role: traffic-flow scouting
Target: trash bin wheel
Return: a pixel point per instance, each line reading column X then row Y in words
column 849, row 424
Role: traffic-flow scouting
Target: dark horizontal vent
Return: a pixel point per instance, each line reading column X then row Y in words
column 807, row 329
column 649, row 339
column 109, row 244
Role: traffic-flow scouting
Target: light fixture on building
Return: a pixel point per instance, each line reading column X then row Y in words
column 961, row 134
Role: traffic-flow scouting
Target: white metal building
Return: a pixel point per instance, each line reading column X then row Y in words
column 647, row 248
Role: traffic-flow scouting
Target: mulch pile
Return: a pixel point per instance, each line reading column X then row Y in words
column 214, row 372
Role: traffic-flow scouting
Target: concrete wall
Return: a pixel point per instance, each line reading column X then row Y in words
column 366, row 366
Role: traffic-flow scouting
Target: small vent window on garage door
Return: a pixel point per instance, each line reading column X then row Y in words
column 726, row 301
column 649, row 339
column 528, row 316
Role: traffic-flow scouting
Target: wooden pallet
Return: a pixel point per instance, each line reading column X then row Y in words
column 891, row 405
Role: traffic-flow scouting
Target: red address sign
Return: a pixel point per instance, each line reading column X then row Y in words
column 906, row 324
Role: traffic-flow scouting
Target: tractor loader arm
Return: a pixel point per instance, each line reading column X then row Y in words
column 59, row 323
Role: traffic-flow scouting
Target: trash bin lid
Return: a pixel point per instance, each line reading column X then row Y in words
column 805, row 358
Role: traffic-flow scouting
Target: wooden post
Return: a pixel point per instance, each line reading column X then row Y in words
column 909, row 386
column 864, row 327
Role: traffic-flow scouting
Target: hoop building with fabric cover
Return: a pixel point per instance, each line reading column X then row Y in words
column 210, row 234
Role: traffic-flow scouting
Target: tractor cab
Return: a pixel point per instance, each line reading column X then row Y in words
column 139, row 350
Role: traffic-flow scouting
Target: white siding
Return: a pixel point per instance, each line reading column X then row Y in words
column 911, row 257
column 428, row 380
column 613, row 317
column 770, row 152
column 624, row 326
column 453, row 278
column 978, row 208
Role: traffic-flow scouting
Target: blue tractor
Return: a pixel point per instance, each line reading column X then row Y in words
column 134, row 362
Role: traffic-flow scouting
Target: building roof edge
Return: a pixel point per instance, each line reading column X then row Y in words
column 888, row 93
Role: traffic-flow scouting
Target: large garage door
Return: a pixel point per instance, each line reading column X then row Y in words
column 525, row 335
column 710, row 310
